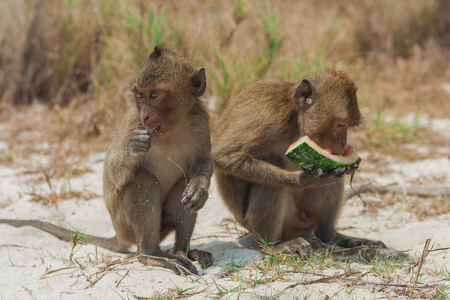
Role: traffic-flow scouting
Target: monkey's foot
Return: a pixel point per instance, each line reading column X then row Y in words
column 345, row 241
column 367, row 253
column 359, row 249
column 177, row 264
column 298, row 246
column 203, row 257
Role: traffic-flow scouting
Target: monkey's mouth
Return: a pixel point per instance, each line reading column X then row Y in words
column 154, row 129
column 347, row 151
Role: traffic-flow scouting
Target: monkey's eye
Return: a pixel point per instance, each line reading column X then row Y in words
column 154, row 94
column 342, row 124
column 139, row 95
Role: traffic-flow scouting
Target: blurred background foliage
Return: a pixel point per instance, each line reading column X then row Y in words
column 77, row 58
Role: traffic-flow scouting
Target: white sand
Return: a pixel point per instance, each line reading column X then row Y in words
column 27, row 253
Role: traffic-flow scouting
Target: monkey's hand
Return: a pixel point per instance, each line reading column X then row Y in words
column 140, row 141
column 318, row 178
column 352, row 168
column 195, row 194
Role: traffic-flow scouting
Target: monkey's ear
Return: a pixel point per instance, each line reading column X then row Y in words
column 198, row 82
column 156, row 52
column 304, row 94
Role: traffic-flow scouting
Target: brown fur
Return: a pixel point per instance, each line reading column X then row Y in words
column 157, row 169
column 144, row 179
column 265, row 191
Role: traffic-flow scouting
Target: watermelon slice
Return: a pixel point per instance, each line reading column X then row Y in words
column 309, row 156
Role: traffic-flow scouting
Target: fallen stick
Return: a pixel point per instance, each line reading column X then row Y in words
column 436, row 190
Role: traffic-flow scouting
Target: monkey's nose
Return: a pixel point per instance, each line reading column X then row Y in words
column 344, row 148
column 339, row 149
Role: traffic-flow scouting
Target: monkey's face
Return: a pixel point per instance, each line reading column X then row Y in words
column 164, row 88
column 327, row 108
column 158, row 111
column 334, row 138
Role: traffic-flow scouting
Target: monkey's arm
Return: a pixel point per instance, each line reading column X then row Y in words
column 127, row 145
column 248, row 167
column 196, row 192
column 119, row 166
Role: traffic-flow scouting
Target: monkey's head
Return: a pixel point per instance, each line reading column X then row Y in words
column 165, row 89
column 327, row 106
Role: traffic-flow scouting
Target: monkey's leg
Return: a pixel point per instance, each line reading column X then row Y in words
column 139, row 214
column 266, row 216
column 184, row 223
column 68, row 235
column 234, row 192
column 330, row 210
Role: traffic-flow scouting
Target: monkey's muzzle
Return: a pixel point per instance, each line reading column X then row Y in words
column 153, row 130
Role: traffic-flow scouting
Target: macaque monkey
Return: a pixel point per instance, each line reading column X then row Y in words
column 158, row 167
column 267, row 193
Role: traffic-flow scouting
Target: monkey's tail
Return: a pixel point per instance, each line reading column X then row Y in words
column 68, row 235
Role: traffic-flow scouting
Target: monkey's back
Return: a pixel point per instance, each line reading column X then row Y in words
column 257, row 123
column 257, row 116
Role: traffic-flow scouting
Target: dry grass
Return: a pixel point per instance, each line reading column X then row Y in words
column 84, row 53
column 422, row 207
column 395, row 275
column 72, row 63
column 66, row 68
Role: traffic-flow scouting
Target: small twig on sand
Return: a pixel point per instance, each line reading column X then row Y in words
column 356, row 280
column 419, row 264
column 216, row 236
column 57, row 270
column 128, row 271
column 436, row 190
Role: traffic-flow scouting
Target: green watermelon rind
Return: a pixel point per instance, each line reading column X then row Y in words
column 310, row 157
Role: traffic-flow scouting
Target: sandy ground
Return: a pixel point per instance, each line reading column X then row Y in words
column 26, row 254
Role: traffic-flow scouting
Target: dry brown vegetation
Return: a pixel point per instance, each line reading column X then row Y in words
column 66, row 67
column 79, row 57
